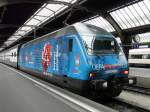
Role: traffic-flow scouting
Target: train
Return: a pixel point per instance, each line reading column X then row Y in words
column 139, row 57
column 80, row 57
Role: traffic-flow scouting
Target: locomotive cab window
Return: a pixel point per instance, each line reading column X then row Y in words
column 70, row 45
column 104, row 46
column 99, row 41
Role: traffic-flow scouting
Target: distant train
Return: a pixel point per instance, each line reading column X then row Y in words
column 139, row 57
column 80, row 57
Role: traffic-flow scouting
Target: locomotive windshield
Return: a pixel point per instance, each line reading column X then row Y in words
column 98, row 41
column 101, row 45
column 104, row 46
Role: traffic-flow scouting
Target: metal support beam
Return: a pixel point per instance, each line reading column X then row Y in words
column 34, row 33
column 79, row 2
column 2, row 14
column 9, row 2
column 2, row 26
column 126, row 39
column 109, row 18
column 138, row 30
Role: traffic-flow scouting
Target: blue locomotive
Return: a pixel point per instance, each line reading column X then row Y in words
column 82, row 57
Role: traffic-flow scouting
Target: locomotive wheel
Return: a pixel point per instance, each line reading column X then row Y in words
column 114, row 89
column 110, row 92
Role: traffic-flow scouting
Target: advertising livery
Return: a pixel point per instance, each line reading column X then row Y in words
column 81, row 57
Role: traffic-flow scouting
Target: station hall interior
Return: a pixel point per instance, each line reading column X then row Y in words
column 74, row 55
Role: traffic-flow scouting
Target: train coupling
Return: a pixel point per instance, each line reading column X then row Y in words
column 99, row 84
column 129, row 81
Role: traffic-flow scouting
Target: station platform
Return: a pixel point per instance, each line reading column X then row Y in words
column 143, row 76
column 21, row 92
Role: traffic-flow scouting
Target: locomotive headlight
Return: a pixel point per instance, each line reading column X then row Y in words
column 92, row 75
column 105, row 85
column 126, row 72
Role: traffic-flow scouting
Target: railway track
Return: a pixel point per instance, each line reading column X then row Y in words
column 137, row 89
column 120, row 106
column 125, row 102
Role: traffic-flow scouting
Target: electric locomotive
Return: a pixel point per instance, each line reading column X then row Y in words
column 81, row 57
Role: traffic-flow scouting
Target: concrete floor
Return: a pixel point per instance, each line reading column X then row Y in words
column 140, row 72
column 136, row 99
column 143, row 76
column 20, row 92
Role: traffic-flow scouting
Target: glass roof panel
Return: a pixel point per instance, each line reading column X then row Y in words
column 54, row 7
column 134, row 15
column 122, row 17
column 138, row 16
column 142, row 13
column 68, row 1
column 25, row 28
column 45, row 12
column 127, row 17
column 101, row 22
column 73, row 1
column 131, row 16
column 12, row 38
column 17, row 36
column 106, row 24
column 117, row 18
column 147, row 4
column 64, row 0
column 33, row 22
column 145, row 10
column 8, row 42
column 21, row 32
column 41, row 18
column 134, row 12
column 61, row 9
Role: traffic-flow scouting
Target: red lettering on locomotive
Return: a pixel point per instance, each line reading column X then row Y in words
column 46, row 57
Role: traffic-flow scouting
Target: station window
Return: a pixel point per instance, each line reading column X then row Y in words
column 136, row 56
column 148, row 56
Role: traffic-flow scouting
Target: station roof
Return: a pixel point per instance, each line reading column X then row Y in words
column 29, row 19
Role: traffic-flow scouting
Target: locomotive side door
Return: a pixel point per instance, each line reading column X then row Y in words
column 70, row 50
column 63, row 56
column 70, row 53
